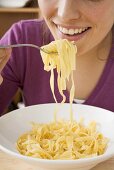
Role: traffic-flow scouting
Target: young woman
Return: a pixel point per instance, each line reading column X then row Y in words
column 89, row 23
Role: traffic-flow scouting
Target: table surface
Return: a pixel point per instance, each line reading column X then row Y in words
column 8, row 162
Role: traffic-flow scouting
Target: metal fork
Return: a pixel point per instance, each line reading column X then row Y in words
column 26, row 45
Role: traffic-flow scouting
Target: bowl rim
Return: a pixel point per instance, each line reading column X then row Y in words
column 47, row 104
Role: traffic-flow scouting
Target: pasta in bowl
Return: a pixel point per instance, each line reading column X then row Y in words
column 82, row 114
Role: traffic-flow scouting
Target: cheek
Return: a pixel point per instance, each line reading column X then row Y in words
column 101, row 12
column 47, row 8
column 46, row 13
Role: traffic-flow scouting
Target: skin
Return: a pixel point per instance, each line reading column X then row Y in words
column 4, row 57
column 98, row 15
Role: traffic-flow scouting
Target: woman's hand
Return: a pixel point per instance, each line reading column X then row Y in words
column 4, row 57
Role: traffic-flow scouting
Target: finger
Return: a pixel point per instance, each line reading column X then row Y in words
column 3, row 62
column 2, row 51
column 4, row 58
column 1, row 58
column 1, row 79
column 8, row 51
column 5, row 51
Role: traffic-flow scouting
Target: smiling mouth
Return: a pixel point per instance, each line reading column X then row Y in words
column 73, row 32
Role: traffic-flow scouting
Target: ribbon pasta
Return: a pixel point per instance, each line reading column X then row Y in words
column 62, row 140
column 62, row 57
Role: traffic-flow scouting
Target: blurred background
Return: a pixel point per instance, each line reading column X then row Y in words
column 12, row 11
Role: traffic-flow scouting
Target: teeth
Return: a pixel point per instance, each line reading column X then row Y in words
column 76, row 31
column 71, row 31
column 80, row 30
column 65, row 30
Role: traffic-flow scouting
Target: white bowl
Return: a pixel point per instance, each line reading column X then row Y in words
column 15, row 123
column 13, row 3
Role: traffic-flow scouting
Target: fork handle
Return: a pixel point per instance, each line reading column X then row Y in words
column 20, row 45
column 24, row 45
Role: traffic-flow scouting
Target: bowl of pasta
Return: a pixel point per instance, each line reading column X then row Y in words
column 50, row 136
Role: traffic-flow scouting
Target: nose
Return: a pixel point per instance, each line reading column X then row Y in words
column 68, row 9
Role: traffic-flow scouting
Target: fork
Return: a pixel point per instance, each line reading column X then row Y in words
column 26, row 45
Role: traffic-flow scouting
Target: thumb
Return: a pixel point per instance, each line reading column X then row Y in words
column 1, row 79
column 8, row 51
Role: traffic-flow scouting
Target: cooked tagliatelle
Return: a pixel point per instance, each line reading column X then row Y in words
column 63, row 58
column 62, row 140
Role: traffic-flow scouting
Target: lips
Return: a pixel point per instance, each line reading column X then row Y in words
column 72, row 34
